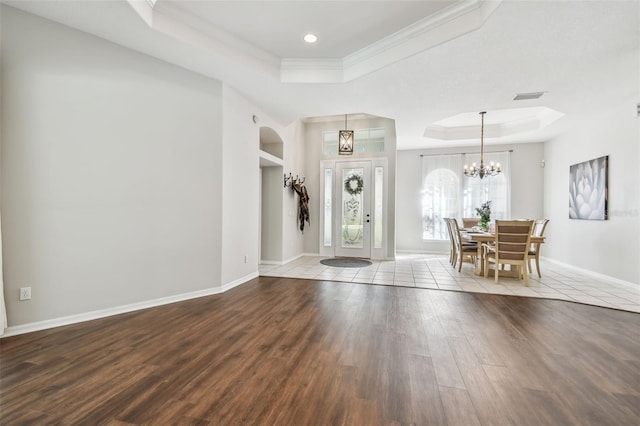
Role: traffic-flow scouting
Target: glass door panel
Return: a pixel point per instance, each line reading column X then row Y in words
column 353, row 227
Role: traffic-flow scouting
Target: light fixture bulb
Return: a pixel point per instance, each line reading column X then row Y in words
column 310, row 38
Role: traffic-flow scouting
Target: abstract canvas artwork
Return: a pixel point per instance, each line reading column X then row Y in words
column 588, row 189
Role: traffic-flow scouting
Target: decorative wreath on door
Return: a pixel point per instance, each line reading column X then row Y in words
column 353, row 184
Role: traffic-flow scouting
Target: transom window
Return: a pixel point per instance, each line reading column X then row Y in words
column 365, row 140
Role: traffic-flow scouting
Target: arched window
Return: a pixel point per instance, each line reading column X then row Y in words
column 446, row 192
column 441, row 194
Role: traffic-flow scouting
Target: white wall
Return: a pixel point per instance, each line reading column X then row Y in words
column 527, row 191
column 294, row 163
column 610, row 247
column 241, row 190
column 607, row 125
column 111, row 170
column 313, row 156
column 242, row 184
column 271, row 209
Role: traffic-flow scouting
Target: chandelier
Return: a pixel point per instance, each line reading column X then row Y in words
column 345, row 140
column 482, row 171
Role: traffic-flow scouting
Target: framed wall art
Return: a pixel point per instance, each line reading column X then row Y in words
column 588, row 189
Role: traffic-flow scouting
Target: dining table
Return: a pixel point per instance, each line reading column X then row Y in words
column 481, row 238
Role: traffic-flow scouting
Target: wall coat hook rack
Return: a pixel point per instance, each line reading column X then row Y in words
column 290, row 182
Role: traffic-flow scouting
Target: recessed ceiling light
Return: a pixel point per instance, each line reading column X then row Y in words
column 310, row 38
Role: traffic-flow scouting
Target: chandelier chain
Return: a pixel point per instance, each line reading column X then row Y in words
column 482, row 139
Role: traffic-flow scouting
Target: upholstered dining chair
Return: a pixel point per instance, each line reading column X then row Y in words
column 511, row 247
column 534, row 250
column 465, row 251
column 470, row 222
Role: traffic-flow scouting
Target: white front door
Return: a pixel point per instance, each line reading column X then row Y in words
column 352, row 227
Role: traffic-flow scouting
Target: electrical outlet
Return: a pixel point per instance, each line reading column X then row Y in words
column 25, row 293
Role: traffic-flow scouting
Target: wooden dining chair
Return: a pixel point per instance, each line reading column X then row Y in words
column 470, row 222
column 465, row 251
column 534, row 249
column 452, row 246
column 511, row 247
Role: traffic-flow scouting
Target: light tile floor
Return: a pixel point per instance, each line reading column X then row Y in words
column 435, row 272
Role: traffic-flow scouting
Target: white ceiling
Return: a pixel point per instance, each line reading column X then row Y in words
column 417, row 62
column 277, row 27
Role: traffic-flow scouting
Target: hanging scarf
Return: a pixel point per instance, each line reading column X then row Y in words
column 303, row 205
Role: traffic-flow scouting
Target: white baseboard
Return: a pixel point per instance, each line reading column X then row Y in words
column 421, row 252
column 270, row 262
column 107, row 312
column 239, row 281
column 284, row 262
column 313, row 254
column 306, row 255
column 597, row 275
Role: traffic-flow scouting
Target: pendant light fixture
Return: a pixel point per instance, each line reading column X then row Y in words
column 345, row 140
column 482, row 171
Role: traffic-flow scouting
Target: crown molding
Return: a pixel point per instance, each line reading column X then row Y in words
column 340, row 118
column 311, row 70
column 473, row 10
column 454, row 21
column 526, row 121
column 143, row 9
column 169, row 19
column 459, row 19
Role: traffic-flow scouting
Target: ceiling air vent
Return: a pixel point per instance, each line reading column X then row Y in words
column 532, row 95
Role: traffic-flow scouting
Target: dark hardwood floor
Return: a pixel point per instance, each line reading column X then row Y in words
column 300, row 352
